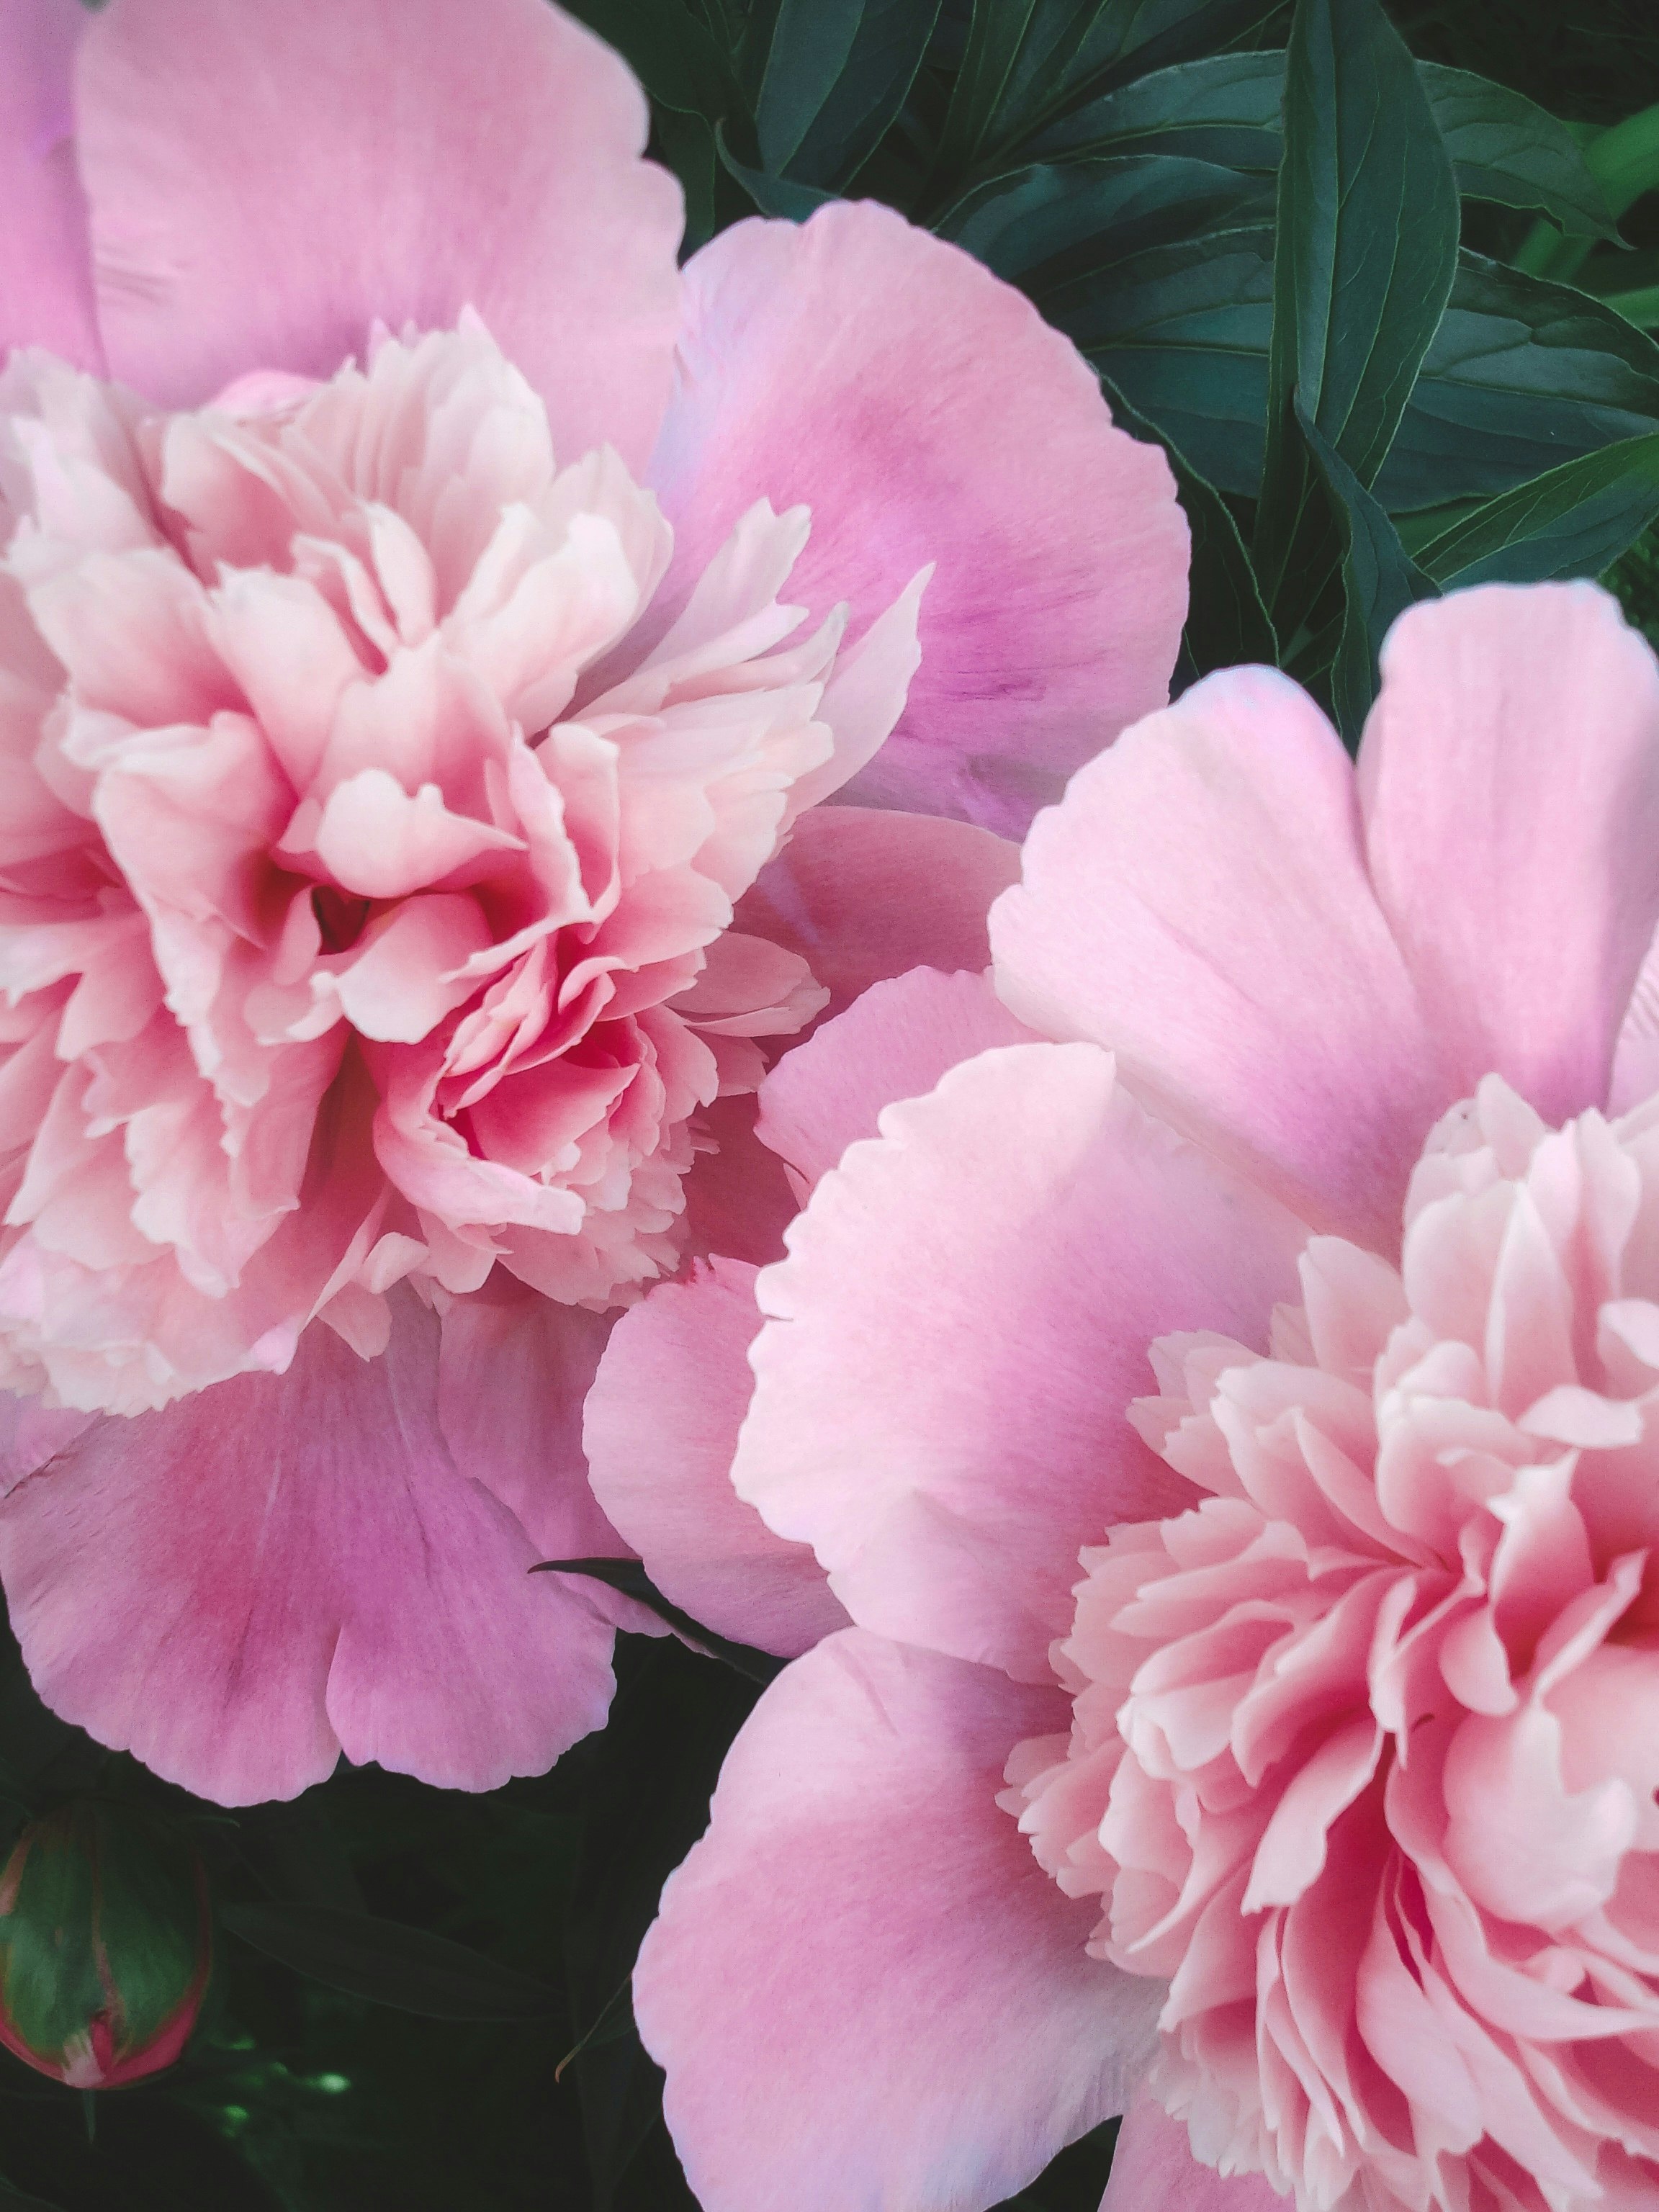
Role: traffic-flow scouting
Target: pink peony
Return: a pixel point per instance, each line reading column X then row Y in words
column 426, row 618
column 1339, row 1130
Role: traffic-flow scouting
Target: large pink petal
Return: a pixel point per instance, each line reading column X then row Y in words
column 897, row 1041
column 1153, row 2170
column 46, row 255
column 965, row 1313
column 266, row 183
column 864, row 1990
column 283, row 1568
column 863, row 894
column 927, row 414
column 1198, row 902
column 661, row 1427
column 1510, row 775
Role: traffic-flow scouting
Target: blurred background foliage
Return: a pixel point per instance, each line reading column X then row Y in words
column 419, row 1999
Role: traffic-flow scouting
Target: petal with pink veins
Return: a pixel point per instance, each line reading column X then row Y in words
column 864, row 1990
column 1199, row 903
column 1533, row 713
column 45, row 254
column 285, row 1567
column 853, row 363
column 378, row 161
column 960, row 1326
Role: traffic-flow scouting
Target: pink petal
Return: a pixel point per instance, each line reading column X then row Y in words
column 1510, row 776
column 661, row 1427
column 46, row 255
column 1153, row 2170
column 927, row 414
column 863, row 1988
column 377, row 160
column 738, row 1198
column 513, row 1372
column 863, row 894
column 964, row 1315
column 1198, row 902
column 897, row 1041
column 285, row 1567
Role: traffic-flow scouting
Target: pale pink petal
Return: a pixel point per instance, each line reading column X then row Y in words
column 46, row 255
column 1509, row 774
column 897, row 1041
column 661, row 1427
column 962, row 1322
column 864, row 1990
column 285, row 1567
column 863, row 894
column 1153, row 2170
column 925, row 413
column 1198, row 902
column 265, row 188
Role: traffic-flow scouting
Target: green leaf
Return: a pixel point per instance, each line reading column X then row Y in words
column 1028, row 61
column 1182, row 332
column 1505, row 147
column 671, row 53
column 1368, row 223
column 779, row 196
column 390, row 1963
column 871, row 88
column 1044, row 225
column 810, row 47
column 1223, row 108
column 1523, row 374
column 1226, row 623
column 1380, row 579
column 686, row 144
column 1575, row 520
column 19, row 2200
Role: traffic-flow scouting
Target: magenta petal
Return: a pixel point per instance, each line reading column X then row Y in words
column 927, row 414
column 863, row 1988
column 863, row 894
column 46, row 254
column 965, row 1313
column 1153, row 2170
column 1198, row 902
column 284, row 1567
column 1510, row 780
column 662, row 1425
column 266, row 184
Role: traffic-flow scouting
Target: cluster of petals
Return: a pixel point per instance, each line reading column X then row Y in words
column 1199, row 1438
column 419, row 668
column 346, row 842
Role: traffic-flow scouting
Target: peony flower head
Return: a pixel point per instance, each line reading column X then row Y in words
column 1362, row 1759
column 430, row 619
column 1221, row 1408
column 369, row 887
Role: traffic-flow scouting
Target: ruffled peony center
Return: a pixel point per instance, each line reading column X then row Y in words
column 378, row 798
column 1365, row 1744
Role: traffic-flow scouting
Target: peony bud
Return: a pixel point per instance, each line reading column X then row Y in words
column 106, row 1946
